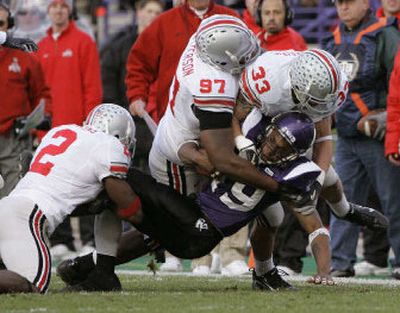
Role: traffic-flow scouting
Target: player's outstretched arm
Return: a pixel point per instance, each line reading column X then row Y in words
column 320, row 245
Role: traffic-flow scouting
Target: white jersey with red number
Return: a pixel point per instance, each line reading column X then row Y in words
column 68, row 168
column 266, row 83
column 196, row 84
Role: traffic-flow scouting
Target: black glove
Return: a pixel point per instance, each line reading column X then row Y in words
column 299, row 197
column 24, row 44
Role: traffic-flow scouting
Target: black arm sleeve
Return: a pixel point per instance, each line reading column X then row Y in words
column 213, row 120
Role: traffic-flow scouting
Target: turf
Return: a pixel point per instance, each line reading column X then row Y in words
column 195, row 294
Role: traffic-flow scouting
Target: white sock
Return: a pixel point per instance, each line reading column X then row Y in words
column 340, row 208
column 263, row 267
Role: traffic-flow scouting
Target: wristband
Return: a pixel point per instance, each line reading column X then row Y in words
column 131, row 210
column 318, row 232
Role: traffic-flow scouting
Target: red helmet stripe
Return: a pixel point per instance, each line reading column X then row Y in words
column 219, row 22
column 331, row 67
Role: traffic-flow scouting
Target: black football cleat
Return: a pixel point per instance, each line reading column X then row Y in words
column 368, row 217
column 270, row 281
column 97, row 280
column 74, row 271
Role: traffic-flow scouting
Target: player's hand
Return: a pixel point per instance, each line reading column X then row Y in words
column 322, row 279
column 1, row 182
column 24, row 44
column 394, row 158
column 137, row 107
column 203, row 164
column 299, row 197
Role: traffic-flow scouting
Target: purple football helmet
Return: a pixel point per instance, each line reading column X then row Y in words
column 287, row 136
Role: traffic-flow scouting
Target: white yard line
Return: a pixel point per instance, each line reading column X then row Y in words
column 341, row 281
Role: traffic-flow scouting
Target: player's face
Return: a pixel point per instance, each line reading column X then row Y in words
column 3, row 20
column 273, row 16
column 275, row 147
column 59, row 14
column 351, row 12
column 391, row 7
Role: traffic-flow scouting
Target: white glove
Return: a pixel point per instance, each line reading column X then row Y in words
column 137, row 107
column 1, row 182
column 247, row 149
column 381, row 125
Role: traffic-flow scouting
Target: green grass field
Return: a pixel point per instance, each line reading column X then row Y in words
column 195, row 294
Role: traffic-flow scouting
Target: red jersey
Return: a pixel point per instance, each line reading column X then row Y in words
column 72, row 70
column 22, row 86
column 157, row 50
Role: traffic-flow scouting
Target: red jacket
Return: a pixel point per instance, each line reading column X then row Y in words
column 380, row 13
column 392, row 138
column 157, row 51
column 72, row 69
column 250, row 22
column 22, row 86
column 288, row 38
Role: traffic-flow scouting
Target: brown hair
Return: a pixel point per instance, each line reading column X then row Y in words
column 142, row 3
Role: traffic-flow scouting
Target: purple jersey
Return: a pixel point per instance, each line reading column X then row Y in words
column 231, row 205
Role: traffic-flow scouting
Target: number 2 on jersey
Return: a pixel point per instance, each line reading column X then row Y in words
column 45, row 168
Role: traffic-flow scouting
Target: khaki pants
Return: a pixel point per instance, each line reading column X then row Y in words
column 230, row 249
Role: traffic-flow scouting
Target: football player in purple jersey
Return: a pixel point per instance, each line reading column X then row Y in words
column 190, row 227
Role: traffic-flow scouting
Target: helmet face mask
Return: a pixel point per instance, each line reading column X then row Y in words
column 315, row 79
column 113, row 120
column 226, row 43
column 287, row 137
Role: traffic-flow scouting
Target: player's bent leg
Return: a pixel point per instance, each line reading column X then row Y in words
column 265, row 276
column 11, row 282
column 333, row 193
column 23, row 244
column 132, row 245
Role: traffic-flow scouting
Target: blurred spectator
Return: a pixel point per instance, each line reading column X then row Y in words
column 376, row 246
column 248, row 15
column 157, row 50
column 275, row 16
column 31, row 19
column 113, row 71
column 72, row 69
column 389, row 8
column 365, row 47
column 22, row 87
column 392, row 140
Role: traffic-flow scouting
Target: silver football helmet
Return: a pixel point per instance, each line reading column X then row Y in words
column 226, row 43
column 114, row 120
column 316, row 80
